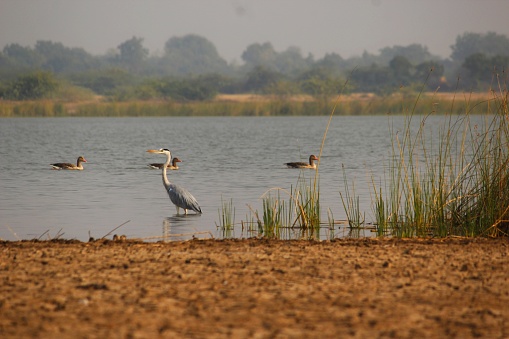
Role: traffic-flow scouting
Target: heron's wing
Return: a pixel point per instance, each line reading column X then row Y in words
column 182, row 198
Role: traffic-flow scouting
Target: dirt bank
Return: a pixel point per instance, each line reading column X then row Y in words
column 452, row 288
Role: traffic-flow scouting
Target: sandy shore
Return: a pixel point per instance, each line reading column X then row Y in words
column 368, row 288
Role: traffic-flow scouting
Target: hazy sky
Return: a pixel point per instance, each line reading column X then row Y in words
column 346, row 27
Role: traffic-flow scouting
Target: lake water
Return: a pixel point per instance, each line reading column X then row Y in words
column 237, row 158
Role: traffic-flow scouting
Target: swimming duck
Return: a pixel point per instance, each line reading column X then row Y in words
column 69, row 166
column 172, row 166
column 311, row 163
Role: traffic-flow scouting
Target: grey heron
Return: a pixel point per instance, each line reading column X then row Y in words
column 179, row 196
column 68, row 166
column 173, row 166
column 311, row 163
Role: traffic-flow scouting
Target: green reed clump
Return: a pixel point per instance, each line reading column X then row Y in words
column 453, row 183
column 274, row 214
column 330, row 224
column 298, row 216
column 380, row 214
column 453, row 180
column 226, row 218
column 483, row 209
column 309, row 207
column 351, row 205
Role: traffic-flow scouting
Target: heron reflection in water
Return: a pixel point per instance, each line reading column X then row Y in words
column 180, row 227
column 169, row 231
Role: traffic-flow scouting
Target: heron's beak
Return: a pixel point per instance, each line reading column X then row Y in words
column 153, row 151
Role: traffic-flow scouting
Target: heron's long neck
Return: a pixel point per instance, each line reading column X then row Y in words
column 166, row 182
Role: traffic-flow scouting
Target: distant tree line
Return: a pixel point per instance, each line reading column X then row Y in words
column 190, row 68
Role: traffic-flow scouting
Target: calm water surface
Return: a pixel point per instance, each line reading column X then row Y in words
column 237, row 158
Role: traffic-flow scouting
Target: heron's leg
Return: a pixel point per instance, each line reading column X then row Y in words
column 185, row 211
column 178, row 210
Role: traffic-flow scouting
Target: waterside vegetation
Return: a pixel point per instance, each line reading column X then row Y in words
column 254, row 105
column 455, row 183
